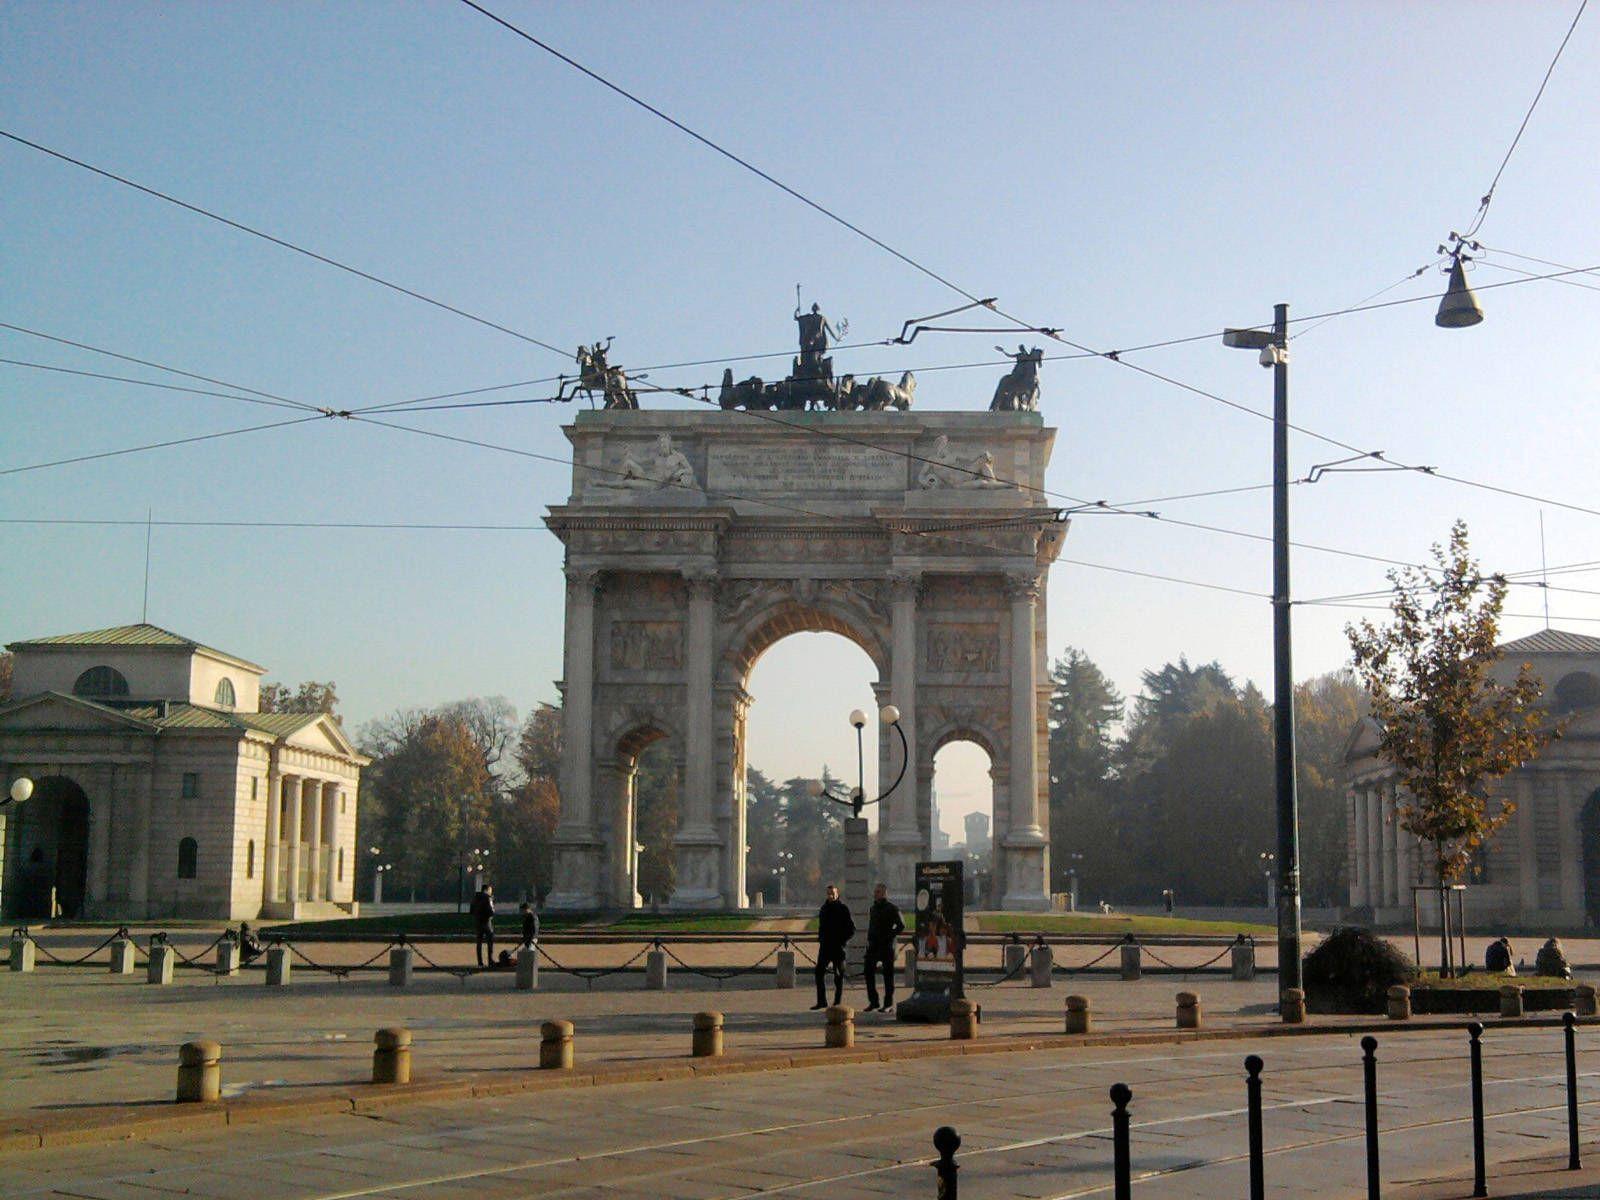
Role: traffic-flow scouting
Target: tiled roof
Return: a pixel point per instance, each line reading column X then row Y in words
column 1553, row 641
column 142, row 634
column 278, row 724
column 176, row 714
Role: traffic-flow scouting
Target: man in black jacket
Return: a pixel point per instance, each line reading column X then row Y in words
column 483, row 921
column 835, row 928
column 884, row 925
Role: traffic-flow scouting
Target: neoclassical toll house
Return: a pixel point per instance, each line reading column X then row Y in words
column 161, row 790
column 696, row 540
column 1542, row 869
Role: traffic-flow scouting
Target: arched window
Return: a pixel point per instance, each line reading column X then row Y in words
column 1577, row 690
column 101, row 683
column 250, row 859
column 225, row 697
column 188, row 858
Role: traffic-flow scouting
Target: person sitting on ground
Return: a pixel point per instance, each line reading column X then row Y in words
column 1552, row 961
column 250, row 947
column 1497, row 958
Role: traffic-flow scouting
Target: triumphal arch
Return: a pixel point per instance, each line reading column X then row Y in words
column 695, row 540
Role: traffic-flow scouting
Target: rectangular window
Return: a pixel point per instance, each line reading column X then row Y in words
column 253, row 782
column 191, row 785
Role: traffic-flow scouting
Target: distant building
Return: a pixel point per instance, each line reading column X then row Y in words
column 977, row 827
column 161, row 790
column 939, row 839
column 1542, row 869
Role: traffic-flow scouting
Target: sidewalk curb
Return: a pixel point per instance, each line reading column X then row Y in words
column 140, row 1119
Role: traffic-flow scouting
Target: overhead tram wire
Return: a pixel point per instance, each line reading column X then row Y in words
column 149, row 383
column 183, row 441
column 283, row 242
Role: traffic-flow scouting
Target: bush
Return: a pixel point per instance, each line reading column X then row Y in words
column 1352, row 971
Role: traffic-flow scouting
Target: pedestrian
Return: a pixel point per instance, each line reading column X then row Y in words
column 530, row 925
column 835, row 928
column 250, row 947
column 483, row 921
column 884, row 925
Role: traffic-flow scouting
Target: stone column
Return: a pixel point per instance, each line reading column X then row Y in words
column 313, row 794
column 1527, row 844
column 1388, row 861
column 98, row 890
column 576, row 852
column 291, row 796
column 1570, row 843
column 900, row 841
column 142, row 785
column 1374, row 803
column 330, row 839
column 698, row 846
column 1025, row 841
column 269, row 857
column 618, row 782
column 1357, row 818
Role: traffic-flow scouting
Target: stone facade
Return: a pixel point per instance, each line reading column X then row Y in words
column 694, row 541
column 161, row 790
column 1542, row 869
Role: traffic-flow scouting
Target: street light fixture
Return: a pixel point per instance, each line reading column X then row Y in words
column 1459, row 308
column 890, row 716
column 1267, row 860
column 1274, row 348
column 21, row 790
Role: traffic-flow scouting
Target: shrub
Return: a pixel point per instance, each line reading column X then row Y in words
column 1352, row 970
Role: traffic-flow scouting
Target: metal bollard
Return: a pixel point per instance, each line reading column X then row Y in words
column 946, row 1141
column 963, row 1020
column 1132, row 960
column 199, row 1072
column 1574, row 1162
column 278, row 966
column 1510, row 1000
column 784, row 975
column 528, row 968
column 841, row 1031
column 122, row 957
column 1243, row 959
column 1188, row 1010
column 402, row 961
column 1480, row 1183
column 707, row 1042
column 1122, row 1170
column 22, row 953
column 159, row 970
column 1292, row 1006
column 1015, row 956
column 1252, row 1092
column 655, row 971
column 1369, row 1070
column 391, row 1059
column 227, row 957
column 1042, row 965
column 1077, row 1014
column 1399, row 999
column 555, row 1046
column 1585, row 1002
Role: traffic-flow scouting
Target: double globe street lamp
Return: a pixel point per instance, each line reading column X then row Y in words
column 21, row 790
column 855, row 830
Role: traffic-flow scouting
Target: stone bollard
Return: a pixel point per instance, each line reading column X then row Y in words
column 707, row 1041
column 1188, row 1010
column 402, row 962
column 1244, row 960
column 1077, row 1014
column 1584, row 1003
column 963, row 1020
column 655, row 971
column 1292, row 1006
column 199, row 1071
column 278, row 966
column 1399, row 1002
column 555, row 1046
column 784, row 975
column 1510, row 1000
column 841, row 1032
column 528, row 969
column 1016, row 955
column 1042, row 966
column 1132, row 961
column 159, row 969
column 391, row 1060
column 122, row 957
column 227, row 957
column 21, row 952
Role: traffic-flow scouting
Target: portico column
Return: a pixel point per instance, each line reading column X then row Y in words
column 1527, row 843
column 1025, row 841
column 1570, row 843
column 1356, row 807
column 577, row 863
column 142, row 785
column 1387, row 862
column 330, row 838
column 697, row 843
column 105, row 785
column 313, row 790
column 1374, row 803
column 291, row 796
column 900, row 841
column 269, row 860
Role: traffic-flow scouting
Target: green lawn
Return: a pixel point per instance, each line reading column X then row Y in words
column 1479, row 980
column 510, row 924
column 1114, row 926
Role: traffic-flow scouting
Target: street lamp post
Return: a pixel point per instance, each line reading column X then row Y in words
column 1274, row 348
column 1072, row 881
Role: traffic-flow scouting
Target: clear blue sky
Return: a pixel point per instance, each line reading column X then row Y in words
column 1128, row 173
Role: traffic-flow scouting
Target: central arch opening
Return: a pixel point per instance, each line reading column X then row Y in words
column 803, row 687
column 963, row 808
column 47, row 862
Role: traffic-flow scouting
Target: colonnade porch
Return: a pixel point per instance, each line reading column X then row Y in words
column 305, row 854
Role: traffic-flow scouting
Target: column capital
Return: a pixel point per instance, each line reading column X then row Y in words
column 905, row 585
column 1022, row 585
column 579, row 578
column 702, row 582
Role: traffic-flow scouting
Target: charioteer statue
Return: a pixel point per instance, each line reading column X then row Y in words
column 1018, row 391
column 597, row 376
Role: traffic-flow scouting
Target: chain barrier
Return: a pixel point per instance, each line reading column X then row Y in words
column 461, row 973
column 66, row 962
column 590, row 974
column 339, row 972
column 1186, row 971
column 1022, row 965
column 1093, row 962
column 720, row 974
column 225, row 936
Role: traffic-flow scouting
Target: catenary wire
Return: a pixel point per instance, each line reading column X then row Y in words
column 168, row 387
column 183, row 441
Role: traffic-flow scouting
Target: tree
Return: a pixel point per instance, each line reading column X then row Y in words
column 763, row 832
column 1084, row 707
column 1170, row 696
column 525, row 819
column 1446, row 724
column 656, row 821
column 307, row 697
column 1326, row 709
